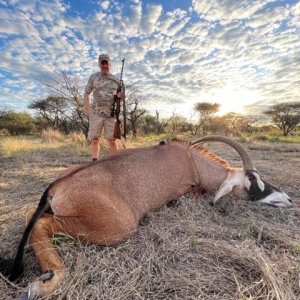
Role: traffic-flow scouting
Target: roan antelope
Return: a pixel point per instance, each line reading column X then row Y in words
column 103, row 202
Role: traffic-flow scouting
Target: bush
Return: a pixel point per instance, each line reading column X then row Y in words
column 17, row 123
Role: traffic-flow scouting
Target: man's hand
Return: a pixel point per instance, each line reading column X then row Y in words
column 120, row 95
column 87, row 103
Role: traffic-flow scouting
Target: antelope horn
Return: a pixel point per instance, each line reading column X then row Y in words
column 248, row 165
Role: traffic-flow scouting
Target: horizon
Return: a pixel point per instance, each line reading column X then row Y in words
column 243, row 55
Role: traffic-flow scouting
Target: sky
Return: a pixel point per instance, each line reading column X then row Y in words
column 242, row 54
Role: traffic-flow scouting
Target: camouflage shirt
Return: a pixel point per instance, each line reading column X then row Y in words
column 104, row 88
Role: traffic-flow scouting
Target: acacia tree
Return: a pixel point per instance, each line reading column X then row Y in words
column 285, row 115
column 206, row 110
column 70, row 88
column 54, row 111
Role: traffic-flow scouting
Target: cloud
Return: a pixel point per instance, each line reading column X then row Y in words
column 175, row 56
column 151, row 17
column 105, row 5
column 227, row 10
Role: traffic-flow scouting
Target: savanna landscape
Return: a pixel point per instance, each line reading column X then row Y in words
column 163, row 70
column 189, row 250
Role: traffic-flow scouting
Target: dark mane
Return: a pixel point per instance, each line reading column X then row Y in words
column 203, row 152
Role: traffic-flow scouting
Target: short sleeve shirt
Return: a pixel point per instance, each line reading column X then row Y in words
column 104, row 88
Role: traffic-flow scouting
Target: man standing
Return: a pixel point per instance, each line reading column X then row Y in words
column 104, row 86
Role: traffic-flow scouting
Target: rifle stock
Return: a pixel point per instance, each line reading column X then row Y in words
column 117, row 131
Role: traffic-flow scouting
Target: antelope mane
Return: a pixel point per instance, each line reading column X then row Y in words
column 198, row 148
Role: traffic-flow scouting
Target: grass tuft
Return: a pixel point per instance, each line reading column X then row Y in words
column 50, row 136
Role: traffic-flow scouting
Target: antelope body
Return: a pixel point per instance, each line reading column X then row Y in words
column 103, row 202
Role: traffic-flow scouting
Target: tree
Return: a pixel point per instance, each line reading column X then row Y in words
column 206, row 110
column 54, row 110
column 177, row 124
column 70, row 88
column 160, row 124
column 285, row 115
column 148, row 124
column 219, row 125
column 133, row 112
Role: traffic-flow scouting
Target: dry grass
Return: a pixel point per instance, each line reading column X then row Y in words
column 49, row 139
column 15, row 145
column 236, row 250
column 52, row 136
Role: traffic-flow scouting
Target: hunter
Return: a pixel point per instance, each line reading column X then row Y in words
column 104, row 86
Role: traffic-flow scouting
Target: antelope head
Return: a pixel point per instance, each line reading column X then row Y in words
column 246, row 183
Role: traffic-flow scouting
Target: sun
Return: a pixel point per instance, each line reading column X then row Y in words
column 233, row 99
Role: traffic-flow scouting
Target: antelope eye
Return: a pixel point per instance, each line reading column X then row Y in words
column 251, row 177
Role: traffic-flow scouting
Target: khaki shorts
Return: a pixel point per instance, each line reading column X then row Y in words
column 96, row 125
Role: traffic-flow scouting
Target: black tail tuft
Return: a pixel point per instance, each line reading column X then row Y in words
column 17, row 272
column 6, row 268
column 14, row 268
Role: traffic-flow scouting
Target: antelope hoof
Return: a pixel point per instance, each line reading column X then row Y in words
column 46, row 276
column 45, row 285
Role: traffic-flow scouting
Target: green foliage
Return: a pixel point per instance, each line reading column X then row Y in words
column 148, row 124
column 276, row 139
column 57, row 239
column 16, row 123
column 285, row 115
column 177, row 124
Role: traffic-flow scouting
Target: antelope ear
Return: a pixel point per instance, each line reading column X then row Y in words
column 260, row 183
column 225, row 188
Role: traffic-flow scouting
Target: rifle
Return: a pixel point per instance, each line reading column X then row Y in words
column 116, row 107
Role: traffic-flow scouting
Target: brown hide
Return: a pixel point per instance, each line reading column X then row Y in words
column 134, row 182
column 103, row 202
column 124, row 186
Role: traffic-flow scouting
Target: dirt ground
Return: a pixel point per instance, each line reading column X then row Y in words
column 235, row 250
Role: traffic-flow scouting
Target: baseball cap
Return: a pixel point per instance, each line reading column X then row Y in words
column 103, row 57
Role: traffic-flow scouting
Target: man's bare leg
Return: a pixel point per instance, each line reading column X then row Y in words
column 112, row 145
column 95, row 148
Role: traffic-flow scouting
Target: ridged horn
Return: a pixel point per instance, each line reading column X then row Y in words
column 248, row 165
